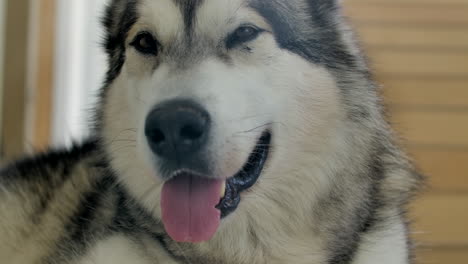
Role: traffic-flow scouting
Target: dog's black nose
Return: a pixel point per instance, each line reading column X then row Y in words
column 177, row 129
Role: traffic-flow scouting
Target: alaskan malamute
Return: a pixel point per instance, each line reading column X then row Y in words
column 228, row 132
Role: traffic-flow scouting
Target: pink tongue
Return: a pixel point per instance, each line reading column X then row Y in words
column 188, row 208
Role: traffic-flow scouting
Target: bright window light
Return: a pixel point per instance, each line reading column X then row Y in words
column 79, row 68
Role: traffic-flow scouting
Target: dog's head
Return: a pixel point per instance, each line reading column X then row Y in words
column 220, row 114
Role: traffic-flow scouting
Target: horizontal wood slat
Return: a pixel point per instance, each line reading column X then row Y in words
column 394, row 13
column 432, row 128
column 442, row 256
column 447, row 170
column 419, row 52
column 414, row 37
column 453, row 93
column 441, row 220
column 419, row 63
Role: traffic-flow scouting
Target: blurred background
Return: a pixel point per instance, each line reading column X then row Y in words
column 51, row 68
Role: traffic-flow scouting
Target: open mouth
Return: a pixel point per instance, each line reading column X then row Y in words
column 192, row 206
column 246, row 177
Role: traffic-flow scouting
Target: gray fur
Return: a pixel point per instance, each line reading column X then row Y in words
column 60, row 205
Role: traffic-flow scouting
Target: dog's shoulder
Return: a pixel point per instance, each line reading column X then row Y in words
column 40, row 194
column 42, row 165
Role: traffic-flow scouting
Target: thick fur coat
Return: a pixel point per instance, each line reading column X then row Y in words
column 334, row 189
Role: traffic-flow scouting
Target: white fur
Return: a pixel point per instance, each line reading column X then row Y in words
column 388, row 246
column 121, row 250
column 156, row 13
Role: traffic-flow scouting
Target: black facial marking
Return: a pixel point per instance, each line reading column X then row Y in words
column 189, row 10
column 120, row 16
column 118, row 19
column 310, row 33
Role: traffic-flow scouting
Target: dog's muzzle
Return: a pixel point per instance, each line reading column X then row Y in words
column 193, row 201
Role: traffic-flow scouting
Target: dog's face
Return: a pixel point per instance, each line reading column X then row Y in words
column 212, row 94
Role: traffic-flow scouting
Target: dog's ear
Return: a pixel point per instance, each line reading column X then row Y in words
column 119, row 17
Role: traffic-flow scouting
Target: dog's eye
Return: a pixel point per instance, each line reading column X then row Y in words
column 146, row 44
column 242, row 34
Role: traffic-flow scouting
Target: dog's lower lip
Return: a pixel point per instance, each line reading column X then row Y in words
column 246, row 177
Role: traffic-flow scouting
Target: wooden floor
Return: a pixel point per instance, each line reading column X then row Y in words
column 419, row 50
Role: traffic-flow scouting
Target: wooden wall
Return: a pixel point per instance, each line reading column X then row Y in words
column 419, row 50
column 42, row 76
column 28, row 77
column 14, row 78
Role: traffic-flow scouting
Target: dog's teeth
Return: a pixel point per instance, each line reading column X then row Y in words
column 223, row 189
